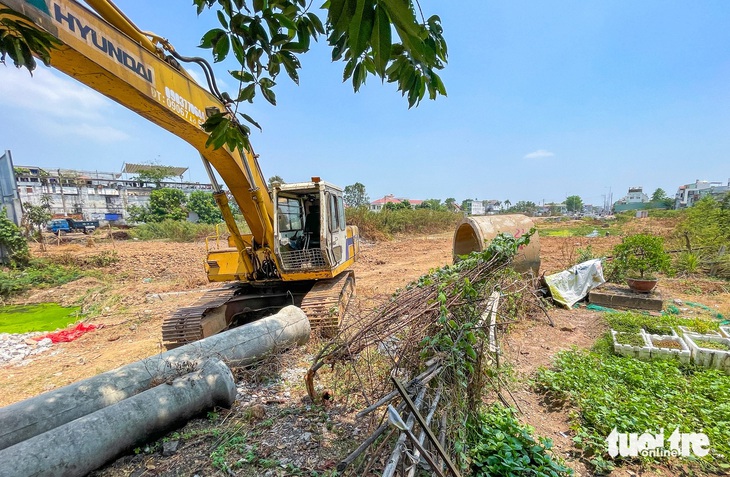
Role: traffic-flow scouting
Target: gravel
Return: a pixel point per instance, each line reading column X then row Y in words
column 16, row 348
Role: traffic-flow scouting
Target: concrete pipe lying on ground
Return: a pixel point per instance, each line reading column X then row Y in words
column 475, row 233
column 237, row 347
column 87, row 443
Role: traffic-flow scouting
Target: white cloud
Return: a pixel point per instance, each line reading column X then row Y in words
column 539, row 154
column 98, row 133
column 64, row 106
column 50, row 94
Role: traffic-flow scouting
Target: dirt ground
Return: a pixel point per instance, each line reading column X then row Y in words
column 151, row 279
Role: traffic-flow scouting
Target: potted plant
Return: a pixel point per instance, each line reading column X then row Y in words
column 640, row 256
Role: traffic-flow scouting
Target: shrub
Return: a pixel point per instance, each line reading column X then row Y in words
column 38, row 274
column 382, row 225
column 11, row 239
column 173, row 230
column 641, row 254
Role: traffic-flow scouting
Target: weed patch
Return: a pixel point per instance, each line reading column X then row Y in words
column 173, row 230
column 382, row 225
column 38, row 274
column 632, row 396
column 500, row 445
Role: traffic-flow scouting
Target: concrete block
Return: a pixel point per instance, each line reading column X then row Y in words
column 613, row 296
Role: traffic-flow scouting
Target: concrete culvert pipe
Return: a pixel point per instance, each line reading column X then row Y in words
column 474, row 233
column 237, row 347
column 85, row 444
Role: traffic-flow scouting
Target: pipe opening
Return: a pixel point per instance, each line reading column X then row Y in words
column 466, row 241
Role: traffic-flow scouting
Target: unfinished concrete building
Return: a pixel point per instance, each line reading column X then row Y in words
column 87, row 195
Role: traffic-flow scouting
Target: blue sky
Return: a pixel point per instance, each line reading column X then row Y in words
column 545, row 99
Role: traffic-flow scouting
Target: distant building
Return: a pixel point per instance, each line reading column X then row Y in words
column 688, row 194
column 103, row 196
column 552, row 209
column 491, row 206
column 377, row 205
column 635, row 199
column 474, row 207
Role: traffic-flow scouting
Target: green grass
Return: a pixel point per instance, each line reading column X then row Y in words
column 628, row 322
column 580, row 230
column 382, row 225
column 175, row 231
column 42, row 317
column 38, row 274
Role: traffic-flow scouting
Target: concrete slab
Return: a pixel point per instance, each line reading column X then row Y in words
column 614, row 296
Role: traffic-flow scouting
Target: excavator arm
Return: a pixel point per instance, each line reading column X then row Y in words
column 107, row 52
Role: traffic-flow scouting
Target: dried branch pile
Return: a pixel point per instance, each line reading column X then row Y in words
column 434, row 338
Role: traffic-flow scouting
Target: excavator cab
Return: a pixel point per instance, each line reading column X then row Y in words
column 309, row 226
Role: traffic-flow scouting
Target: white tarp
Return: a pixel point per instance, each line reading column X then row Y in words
column 569, row 286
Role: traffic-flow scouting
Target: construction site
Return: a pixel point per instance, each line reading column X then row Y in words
column 239, row 325
column 273, row 426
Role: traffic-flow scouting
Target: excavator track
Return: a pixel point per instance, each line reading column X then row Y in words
column 324, row 304
column 186, row 324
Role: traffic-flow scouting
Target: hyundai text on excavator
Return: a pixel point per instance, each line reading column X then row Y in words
column 299, row 247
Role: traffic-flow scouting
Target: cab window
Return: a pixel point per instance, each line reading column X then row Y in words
column 290, row 214
column 333, row 213
column 341, row 212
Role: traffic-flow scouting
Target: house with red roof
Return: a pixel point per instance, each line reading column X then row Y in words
column 377, row 205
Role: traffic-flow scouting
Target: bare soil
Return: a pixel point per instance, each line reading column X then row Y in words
column 131, row 297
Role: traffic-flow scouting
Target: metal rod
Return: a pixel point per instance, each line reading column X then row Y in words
column 397, row 421
column 422, row 422
column 344, row 463
column 422, row 378
column 422, row 434
column 395, row 456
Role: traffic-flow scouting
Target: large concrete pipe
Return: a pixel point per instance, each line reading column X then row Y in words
column 238, row 347
column 474, row 233
column 83, row 445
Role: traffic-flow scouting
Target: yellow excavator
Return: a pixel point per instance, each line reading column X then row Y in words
column 299, row 248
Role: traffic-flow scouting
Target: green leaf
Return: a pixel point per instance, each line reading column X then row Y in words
column 361, row 27
column 381, row 40
column 285, row 21
column 268, row 95
column 250, row 120
column 335, row 11
column 238, row 50
column 222, row 19
column 291, row 64
column 316, row 23
column 221, row 49
column 358, row 76
column 243, row 76
column 247, row 93
column 349, row 68
column 211, row 37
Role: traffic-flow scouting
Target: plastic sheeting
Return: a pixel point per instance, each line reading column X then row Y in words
column 64, row 336
column 570, row 286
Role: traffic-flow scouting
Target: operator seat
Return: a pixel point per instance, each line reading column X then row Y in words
column 311, row 230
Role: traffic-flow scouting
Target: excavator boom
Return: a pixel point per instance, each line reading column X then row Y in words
column 137, row 75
